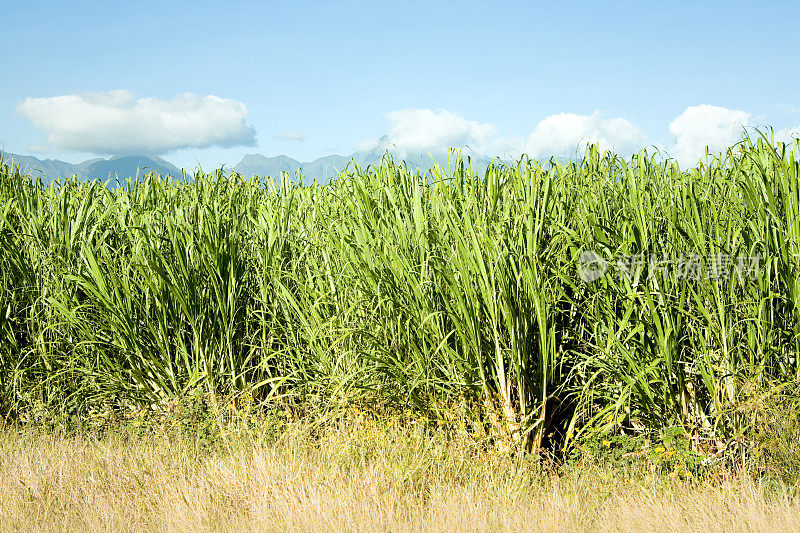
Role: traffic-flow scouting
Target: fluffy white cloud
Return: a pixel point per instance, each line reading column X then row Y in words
column 567, row 133
column 413, row 131
column 425, row 130
column 117, row 122
column 704, row 126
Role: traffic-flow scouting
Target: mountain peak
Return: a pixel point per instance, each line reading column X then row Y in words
column 98, row 168
column 128, row 166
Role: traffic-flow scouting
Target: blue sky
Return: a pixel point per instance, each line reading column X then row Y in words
column 315, row 78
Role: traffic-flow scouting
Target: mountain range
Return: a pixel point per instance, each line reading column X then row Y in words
column 322, row 169
column 93, row 169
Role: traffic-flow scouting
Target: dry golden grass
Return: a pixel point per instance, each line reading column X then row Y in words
column 351, row 479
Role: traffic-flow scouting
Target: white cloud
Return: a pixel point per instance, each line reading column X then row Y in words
column 568, row 133
column 414, row 131
column 289, row 136
column 117, row 122
column 706, row 125
column 425, row 130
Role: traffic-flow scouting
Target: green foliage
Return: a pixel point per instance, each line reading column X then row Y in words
column 409, row 290
column 668, row 453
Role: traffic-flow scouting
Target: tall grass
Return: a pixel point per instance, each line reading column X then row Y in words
column 370, row 478
column 413, row 289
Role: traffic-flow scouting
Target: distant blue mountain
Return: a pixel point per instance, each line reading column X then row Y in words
column 128, row 167
column 93, row 169
column 328, row 167
column 48, row 169
column 322, row 170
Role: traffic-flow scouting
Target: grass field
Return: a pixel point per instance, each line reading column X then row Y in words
column 494, row 307
column 364, row 477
